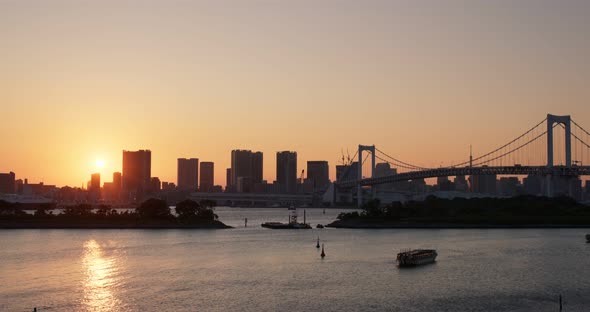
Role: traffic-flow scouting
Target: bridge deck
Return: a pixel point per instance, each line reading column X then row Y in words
column 449, row 172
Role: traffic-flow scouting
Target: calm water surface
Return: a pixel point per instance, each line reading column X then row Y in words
column 257, row 269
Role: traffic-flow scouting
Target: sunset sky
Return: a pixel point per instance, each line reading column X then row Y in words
column 83, row 80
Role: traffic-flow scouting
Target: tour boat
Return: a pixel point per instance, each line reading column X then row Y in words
column 416, row 257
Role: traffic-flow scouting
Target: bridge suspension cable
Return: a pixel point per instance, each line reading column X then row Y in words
column 395, row 164
column 511, row 151
column 407, row 165
column 501, row 147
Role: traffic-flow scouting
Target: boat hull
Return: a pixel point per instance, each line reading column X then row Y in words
column 286, row 226
column 416, row 257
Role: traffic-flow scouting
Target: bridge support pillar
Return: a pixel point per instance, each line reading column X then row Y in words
column 371, row 149
column 566, row 122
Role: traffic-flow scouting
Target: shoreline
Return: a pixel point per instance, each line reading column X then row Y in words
column 106, row 226
column 439, row 225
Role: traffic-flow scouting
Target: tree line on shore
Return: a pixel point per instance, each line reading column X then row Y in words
column 520, row 209
column 150, row 211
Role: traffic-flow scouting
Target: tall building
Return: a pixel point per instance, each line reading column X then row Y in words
column 287, row 171
column 384, row 170
column 257, row 167
column 7, row 184
column 95, row 182
column 248, row 166
column 117, row 184
column 319, row 173
column 206, row 180
column 188, row 173
column 228, row 179
column 137, row 166
column 347, row 172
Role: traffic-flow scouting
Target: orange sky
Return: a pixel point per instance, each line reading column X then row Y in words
column 81, row 81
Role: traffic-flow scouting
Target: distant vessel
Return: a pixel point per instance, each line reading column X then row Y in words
column 317, row 245
column 293, row 224
column 416, row 257
column 588, row 238
column 292, row 207
column 323, row 254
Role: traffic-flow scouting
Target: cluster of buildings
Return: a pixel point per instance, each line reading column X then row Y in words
column 136, row 183
column 245, row 176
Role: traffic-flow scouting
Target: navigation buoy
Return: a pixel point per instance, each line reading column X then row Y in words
column 323, row 253
column 317, row 245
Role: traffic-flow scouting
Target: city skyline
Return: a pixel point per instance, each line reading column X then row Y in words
column 315, row 78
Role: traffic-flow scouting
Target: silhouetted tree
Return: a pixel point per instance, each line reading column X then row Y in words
column 153, row 209
column 187, row 209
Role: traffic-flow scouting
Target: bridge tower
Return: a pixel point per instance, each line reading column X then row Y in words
column 371, row 149
column 566, row 122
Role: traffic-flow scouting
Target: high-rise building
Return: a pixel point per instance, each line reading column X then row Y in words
column 257, row 164
column 188, row 173
column 318, row 172
column 95, row 182
column 137, row 166
column 287, row 171
column 117, row 184
column 206, row 179
column 228, row 179
column 246, row 165
column 7, row 183
column 347, row 172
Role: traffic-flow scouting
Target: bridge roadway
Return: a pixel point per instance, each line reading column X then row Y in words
column 466, row 171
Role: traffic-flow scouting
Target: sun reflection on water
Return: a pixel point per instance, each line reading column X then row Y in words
column 101, row 279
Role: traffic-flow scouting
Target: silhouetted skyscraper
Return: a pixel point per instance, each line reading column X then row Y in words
column 228, row 179
column 319, row 173
column 257, row 163
column 7, row 183
column 188, row 173
column 287, row 171
column 95, row 182
column 137, row 166
column 117, row 184
column 248, row 166
column 347, row 172
column 206, row 178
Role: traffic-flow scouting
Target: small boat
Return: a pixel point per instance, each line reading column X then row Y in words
column 317, row 245
column 293, row 224
column 323, row 254
column 588, row 238
column 280, row 225
column 319, row 226
column 416, row 257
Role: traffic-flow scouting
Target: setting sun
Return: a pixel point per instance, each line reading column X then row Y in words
column 100, row 163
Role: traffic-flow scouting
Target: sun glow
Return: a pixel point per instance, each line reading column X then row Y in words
column 100, row 163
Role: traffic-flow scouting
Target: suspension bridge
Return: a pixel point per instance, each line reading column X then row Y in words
column 556, row 147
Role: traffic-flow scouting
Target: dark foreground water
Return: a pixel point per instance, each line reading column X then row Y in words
column 257, row 269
